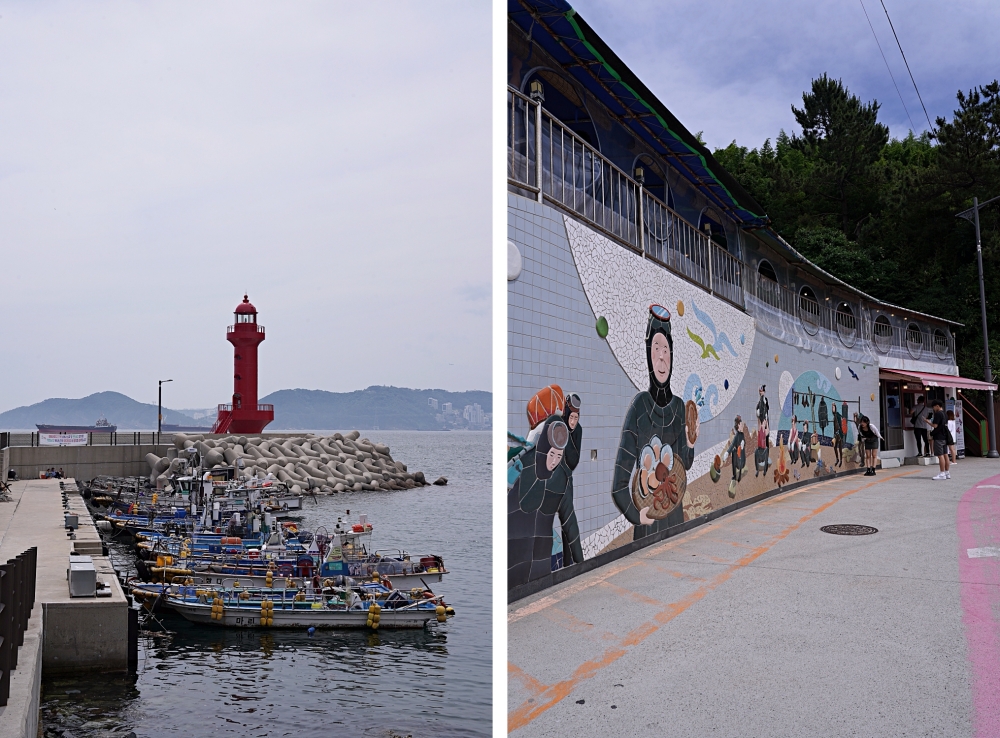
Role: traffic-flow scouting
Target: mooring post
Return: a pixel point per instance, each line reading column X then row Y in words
column 133, row 640
column 5, row 611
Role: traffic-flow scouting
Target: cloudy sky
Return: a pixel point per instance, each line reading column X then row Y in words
column 733, row 69
column 159, row 159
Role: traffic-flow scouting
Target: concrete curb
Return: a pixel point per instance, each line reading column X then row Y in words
column 19, row 719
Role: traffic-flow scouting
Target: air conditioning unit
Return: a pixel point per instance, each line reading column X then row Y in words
column 82, row 577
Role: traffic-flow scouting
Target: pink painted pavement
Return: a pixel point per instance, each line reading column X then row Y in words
column 978, row 523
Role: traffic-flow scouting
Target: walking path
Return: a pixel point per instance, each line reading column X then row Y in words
column 759, row 624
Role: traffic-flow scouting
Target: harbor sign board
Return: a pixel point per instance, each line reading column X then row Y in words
column 62, row 439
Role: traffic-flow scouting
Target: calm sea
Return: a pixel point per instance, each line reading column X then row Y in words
column 198, row 680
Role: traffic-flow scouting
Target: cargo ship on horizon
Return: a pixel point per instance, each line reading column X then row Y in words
column 101, row 426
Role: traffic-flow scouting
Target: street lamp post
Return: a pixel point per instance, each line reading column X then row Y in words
column 972, row 216
column 159, row 409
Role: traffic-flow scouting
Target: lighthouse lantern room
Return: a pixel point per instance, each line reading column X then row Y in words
column 244, row 415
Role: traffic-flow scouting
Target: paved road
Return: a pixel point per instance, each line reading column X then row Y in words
column 759, row 624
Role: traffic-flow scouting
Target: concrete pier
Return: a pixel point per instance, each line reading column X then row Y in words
column 77, row 633
column 81, row 462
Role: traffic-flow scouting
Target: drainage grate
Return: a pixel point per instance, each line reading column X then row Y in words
column 849, row 530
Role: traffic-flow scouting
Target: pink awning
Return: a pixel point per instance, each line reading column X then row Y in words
column 935, row 380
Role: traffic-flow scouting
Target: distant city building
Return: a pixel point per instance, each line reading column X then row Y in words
column 446, row 408
column 432, row 402
column 474, row 414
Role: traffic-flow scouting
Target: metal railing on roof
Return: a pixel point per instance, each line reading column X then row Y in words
column 911, row 340
column 548, row 160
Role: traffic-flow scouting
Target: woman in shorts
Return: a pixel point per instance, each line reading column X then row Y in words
column 869, row 437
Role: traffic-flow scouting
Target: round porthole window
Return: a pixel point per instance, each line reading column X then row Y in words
column 809, row 310
column 914, row 340
column 847, row 326
column 941, row 345
column 882, row 334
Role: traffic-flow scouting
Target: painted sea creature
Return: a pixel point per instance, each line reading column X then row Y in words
column 658, row 483
column 707, row 349
column 720, row 341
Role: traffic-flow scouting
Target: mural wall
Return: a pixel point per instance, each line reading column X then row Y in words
column 638, row 401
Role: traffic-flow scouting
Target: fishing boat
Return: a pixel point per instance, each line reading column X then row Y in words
column 342, row 607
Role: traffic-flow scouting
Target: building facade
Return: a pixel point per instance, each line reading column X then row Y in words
column 669, row 355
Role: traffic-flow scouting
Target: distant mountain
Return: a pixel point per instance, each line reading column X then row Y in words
column 388, row 408
column 119, row 409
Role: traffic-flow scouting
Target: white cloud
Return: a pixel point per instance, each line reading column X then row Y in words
column 733, row 69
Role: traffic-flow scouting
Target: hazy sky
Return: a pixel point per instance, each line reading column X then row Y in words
column 157, row 159
column 733, row 69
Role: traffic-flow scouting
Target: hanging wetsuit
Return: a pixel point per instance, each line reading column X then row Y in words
column 838, row 436
column 655, row 412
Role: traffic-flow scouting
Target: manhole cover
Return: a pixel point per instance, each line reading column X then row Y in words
column 849, row 530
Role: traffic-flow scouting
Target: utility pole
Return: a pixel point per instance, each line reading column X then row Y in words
column 988, row 372
column 159, row 409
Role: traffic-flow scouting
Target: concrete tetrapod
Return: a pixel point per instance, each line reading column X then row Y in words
column 320, row 465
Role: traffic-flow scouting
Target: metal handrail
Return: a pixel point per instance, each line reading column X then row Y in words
column 545, row 157
column 550, row 161
column 232, row 328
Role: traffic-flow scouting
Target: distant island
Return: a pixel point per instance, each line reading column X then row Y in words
column 382, row 408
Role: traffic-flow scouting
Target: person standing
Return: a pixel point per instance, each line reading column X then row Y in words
column 939, row 435
column 920, row 427
column 952, row 430
column 869, row 436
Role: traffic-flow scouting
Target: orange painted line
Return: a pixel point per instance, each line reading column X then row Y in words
column 567, row 620
column 552, row 695
column 527, row 681
column 612, row 569
column 632, row 595
column 671, row 572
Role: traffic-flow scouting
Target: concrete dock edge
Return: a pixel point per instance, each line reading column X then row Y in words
column 19, row 718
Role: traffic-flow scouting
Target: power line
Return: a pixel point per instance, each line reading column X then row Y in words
column 907, row 66
column 913, row 127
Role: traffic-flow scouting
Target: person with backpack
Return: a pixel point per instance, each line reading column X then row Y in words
column 939, row 435
column 920, row 427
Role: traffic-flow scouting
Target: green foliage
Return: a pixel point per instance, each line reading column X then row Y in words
column 829, row 249
column 879, row 213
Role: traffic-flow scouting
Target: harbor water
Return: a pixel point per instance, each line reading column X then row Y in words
column 198, row 680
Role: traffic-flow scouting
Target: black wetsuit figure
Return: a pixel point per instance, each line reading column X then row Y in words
column 653, row 412
column 838, row 437
column 572, row 549
column 532, row 503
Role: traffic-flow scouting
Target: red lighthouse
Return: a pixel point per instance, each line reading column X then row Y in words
column 244, row 415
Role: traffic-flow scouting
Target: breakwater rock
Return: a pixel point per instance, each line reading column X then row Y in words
column 337, row 463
